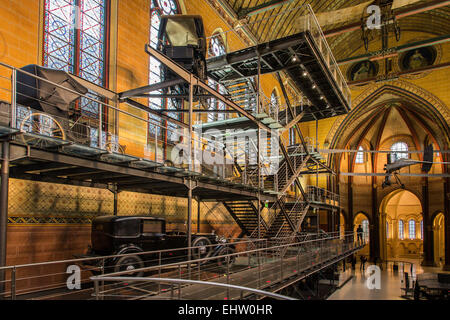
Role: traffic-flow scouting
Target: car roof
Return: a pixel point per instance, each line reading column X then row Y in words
column 125, row 218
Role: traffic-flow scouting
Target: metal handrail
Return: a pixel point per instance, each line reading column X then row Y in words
column 282, row 246
column 96, row 279
column 121, row 255
column 344, row 83
column 148, row 120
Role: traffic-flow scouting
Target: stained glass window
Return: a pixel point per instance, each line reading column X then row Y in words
column 158, row 8
column 216, row 46
column 215, row 104
column 365, row 227
column 387, row 230
column 412, row 229
column 360, row 156
column 74, row 41
column 399, row 149
column 421, row 230
column 401, row 234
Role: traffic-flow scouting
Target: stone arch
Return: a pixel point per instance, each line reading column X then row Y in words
column 433, row 106
column 438, row 225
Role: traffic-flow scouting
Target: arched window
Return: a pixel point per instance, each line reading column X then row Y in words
column 401, row 233
column 399, row 151
column 412, row 229
column 421, row 230
column 217, row 45
column 387, row 230
column 158, row 8
column 75, row 33
column 274, row 99
column 365, row 227
column 360, row 156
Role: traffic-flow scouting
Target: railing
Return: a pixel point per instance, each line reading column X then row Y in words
column 312, row 24
column 306, row 20
column 40, row 279
column 259, row 269
column 98, row 295
column 97, row 123
column 323, row 196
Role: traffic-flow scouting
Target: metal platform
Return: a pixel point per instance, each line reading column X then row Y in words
column 91, row 167
column 299, row 56
column 269, row 269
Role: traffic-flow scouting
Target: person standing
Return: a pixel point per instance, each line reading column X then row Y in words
column 359, row 232
column 363, row 263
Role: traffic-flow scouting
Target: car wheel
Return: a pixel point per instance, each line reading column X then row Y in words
column 129, row 263
column 200, row 248
column 222, row 262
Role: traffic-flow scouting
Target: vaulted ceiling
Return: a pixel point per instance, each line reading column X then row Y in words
column 272, row 19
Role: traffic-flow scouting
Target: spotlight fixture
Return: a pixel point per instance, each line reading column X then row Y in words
column 322, row 97
column 305, row 73
column 294, row 58
column 314, row 86
column 328, row 106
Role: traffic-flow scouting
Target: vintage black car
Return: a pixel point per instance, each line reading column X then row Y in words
column 118, row 235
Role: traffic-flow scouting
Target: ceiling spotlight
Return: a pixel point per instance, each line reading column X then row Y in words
column 328, row 106
column 322, row 97
column 314, row 86
column 294, row 58
column 305, row 73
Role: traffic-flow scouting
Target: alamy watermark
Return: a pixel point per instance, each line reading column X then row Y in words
column 74, row 280
column 373, row 281
column 228, row 147
column 374, row 19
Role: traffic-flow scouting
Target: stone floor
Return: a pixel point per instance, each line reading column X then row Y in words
column 390, row 283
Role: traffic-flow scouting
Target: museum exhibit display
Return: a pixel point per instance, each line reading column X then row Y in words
column 227, row 150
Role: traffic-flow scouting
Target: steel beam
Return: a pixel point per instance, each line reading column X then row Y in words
column 154, row 112
column 195, row 81
column 149, row 88
column 4, row 212
column 401, row 13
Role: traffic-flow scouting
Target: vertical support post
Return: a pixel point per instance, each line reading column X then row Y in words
column 198, row 215
column 159, row 272
column 3, row 212
column 179, row 284
column 191, row 168
column 228, row 277
column 116, row 199
column 96, row 290
column 13, row 283
column 100, row 126
column 13, row 123
column 189, row 226
column 102, row 283
column 156, row 144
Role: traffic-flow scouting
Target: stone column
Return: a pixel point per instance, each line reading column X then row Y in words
column 374, row 226
column 447, row 222
column 427, row 228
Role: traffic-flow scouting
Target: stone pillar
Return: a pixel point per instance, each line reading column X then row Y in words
column 428, row 247
column 349, row 218
column 374, row 226
column 447, row 222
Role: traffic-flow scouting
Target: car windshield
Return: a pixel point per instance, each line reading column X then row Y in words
column 182, row 32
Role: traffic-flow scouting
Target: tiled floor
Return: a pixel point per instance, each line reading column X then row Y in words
column 390, row 284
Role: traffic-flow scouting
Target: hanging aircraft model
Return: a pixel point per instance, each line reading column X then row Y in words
column 393, row 169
